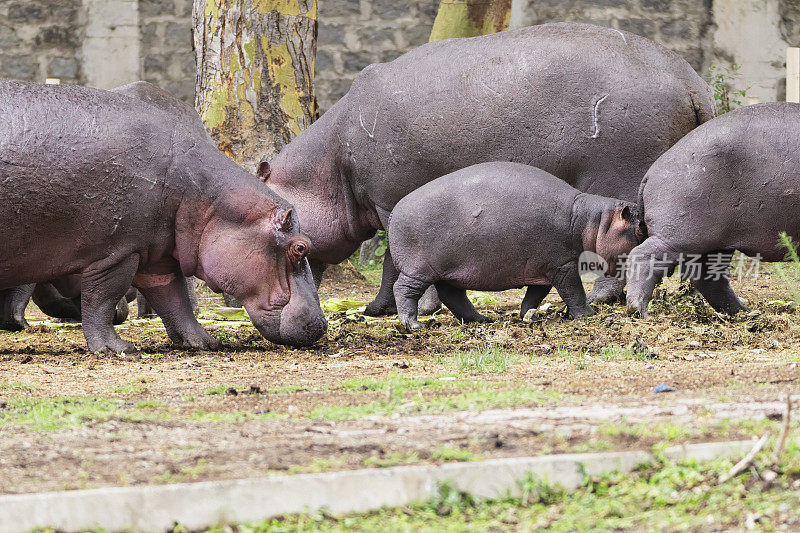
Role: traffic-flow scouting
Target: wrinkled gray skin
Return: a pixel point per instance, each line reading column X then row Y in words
column 732, row 184
column 498, row 226
column 127, row 188
column 60, row 299
column 593, row 106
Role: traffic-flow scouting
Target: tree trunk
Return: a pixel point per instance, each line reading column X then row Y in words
column 470, row 18
column 255, row 72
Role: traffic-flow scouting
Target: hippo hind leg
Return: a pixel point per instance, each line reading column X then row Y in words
column 12, row 307
column 714, row 283
column 567, row 282
column 647, row 265
column 384, row 303
column 607, row 290
column 407, row 292
column 52, row 303
column 456, row 300
column 533, row 298
column 103, row 285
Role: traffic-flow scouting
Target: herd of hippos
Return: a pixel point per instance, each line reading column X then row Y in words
column 493, row 163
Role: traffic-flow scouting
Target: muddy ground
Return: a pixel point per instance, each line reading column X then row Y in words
column 370, row 395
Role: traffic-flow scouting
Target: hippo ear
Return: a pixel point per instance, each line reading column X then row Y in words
column 263, row 170
column 283, row 221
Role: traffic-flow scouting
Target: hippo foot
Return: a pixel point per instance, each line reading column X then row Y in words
column 14, row 324
column 477, row 318
column 380, row 308
column 111, row 347
column 198, row 342
column 409, row 324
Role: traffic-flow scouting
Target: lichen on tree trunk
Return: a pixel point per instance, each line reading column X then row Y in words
column 255, row 71
column 470, row 18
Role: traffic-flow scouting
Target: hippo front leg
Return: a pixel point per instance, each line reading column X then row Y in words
column 12, row 307
column 171, row 301
column 534, row 297
column 103, row 285
column 52, row 303
column 567, row 282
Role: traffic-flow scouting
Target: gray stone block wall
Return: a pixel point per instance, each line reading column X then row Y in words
column 357, row 33
column 168, row 60
column 41, row 39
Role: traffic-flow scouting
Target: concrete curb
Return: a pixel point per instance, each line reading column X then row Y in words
column 198, row 505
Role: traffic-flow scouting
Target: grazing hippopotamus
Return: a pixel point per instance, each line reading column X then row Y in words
column 732, row 184
column 593, row 106
column 126, row 188
column 497, row 226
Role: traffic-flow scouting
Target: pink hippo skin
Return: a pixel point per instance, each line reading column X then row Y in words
column 593, row 106
column 497, row 226
column 126, row 187
column 731, row 184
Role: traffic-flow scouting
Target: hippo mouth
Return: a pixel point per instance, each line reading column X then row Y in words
column 298, row 332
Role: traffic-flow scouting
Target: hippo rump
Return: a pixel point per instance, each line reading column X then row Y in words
column 593, row 106
column 732, row 184
column 497, row 226
column 127, row 188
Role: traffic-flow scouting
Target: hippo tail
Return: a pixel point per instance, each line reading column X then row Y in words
column 642, row 229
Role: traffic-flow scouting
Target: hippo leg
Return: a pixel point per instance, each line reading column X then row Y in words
column 407, row 292
column 144, row 309
column 567, row 282
column 317, row 271
column 384, row 302
column 717, row 292
column 192, row 296
column 174, row 306
column 103, row 285
column 456, row 300
column 12, row 307
column 54, row 304
column 533, row 298
column 647, row 265
column 607, row 291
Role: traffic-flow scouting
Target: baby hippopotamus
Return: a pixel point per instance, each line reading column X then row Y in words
column 497, row 226
column 731, row 184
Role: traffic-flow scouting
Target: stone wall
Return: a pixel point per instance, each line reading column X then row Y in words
column 41, row 39
column 166, row 45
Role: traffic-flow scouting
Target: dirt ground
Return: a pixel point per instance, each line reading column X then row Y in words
column 370, row 395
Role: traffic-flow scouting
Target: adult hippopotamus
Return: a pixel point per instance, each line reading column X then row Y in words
column 127, row 188
column 593, row 106
column 455, row 232
column 732, row 184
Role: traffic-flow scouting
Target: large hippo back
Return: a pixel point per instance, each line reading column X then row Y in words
column 594, row 106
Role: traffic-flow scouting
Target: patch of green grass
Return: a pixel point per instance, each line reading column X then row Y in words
column 486, row 359
column 669, row 431
column 16, row 385
column 150, row 404
column 406, row 400
column 445, row 454
column 52, row 414
column 186, row 473
column 135, row 385
column 318, row 465
column 397, row 383
column 234, row 416
column 221, row 389
column 633, row 351
column 390, row 459
column 657, row 497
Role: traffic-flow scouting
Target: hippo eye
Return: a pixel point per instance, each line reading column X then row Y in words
column 297, row 251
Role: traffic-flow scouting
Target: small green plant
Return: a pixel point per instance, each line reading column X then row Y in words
column 392, row 459
column 537, row 490
column 446, row 454
column 721, row 80
column 17, row 386
column 488, row 358
column 318, row 465
column 222, row 389
column 792, row 282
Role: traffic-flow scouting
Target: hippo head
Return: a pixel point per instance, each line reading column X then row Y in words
column 253, row 251
column 619, row 233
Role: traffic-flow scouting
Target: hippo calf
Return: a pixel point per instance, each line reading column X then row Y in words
column 731, row 184
column 126, row 187
column 497, row 226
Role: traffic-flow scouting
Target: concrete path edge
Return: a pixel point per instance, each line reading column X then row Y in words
column 204, row 504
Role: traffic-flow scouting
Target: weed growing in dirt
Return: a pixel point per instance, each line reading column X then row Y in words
column 390, row 459
column 52, row 414
column 669, row 431
column 662, row 496
column 318, row 465
column 17, row 386
column 634, row 351
column 186, row 473
column 220, row 389
column 491, row 359
column 792, row 283
column 135, row 385
column 445, row 454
